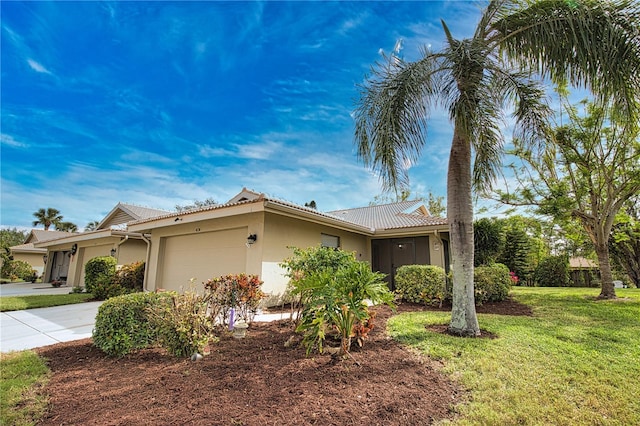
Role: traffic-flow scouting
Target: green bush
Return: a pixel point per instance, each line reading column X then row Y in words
column 131, row 276
column 552, row 271
column 492, row 283
column 123, row 325
column 99, row 271
column 183, row 323
column 421, row 284
column 334, row 288
column 19, row 269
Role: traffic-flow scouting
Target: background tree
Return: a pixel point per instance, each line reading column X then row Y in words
column 488, row 238
column 10, row 237
column 196, row 205
column 66, row 227
column 593, row 44
column 587, row 172
column 624, row 244
column 47, row 217
column 92, row 226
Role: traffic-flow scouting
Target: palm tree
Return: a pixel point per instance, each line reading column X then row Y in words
column 66, row 227
column 92, row 226
column 588, row 43
column 47, row 217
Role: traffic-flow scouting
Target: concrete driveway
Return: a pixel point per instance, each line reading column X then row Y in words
column 33, row 328
column 30, row 289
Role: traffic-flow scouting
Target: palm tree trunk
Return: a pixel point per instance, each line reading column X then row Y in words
column 464, row 320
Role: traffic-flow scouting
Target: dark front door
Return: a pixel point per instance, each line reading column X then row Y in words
column 390, row 254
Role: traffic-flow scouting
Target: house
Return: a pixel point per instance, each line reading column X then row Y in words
column 253, row 233
column 584, row 272
column 35, row 256
column 67, row 255
column 250, row 233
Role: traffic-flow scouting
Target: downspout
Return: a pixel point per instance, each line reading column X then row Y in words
column 146, row 264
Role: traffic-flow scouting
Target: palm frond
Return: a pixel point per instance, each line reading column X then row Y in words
column 391, row 117
column 592, row 44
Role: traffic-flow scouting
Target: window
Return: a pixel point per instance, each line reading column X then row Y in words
column 330, row 241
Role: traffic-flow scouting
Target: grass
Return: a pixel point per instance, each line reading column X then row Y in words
column 15, row 303
column 575, row 362
column 21, row 376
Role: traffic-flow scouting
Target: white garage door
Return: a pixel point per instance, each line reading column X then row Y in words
column 202, row 256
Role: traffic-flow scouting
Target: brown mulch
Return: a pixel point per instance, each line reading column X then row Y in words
column 253, row 381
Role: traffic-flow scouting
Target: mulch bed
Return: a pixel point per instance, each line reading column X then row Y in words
column 254, row 381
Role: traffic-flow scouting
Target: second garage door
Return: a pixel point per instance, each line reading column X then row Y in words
column 202, row 256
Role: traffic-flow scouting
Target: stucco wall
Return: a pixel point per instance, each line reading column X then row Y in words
column 281, row 232
column 33, row 259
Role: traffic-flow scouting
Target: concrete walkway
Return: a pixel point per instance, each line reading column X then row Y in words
column 32, row 289
column 33, row 328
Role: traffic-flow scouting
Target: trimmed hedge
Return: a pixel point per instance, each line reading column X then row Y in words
column 123, row 324
column 421, row 284
column 99, row 271
column 492, row 283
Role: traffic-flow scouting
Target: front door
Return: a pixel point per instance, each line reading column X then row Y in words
column 390, row 254
column 60, row 268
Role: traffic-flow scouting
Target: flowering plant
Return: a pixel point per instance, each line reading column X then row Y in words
column 514, row 278
column 240, row 292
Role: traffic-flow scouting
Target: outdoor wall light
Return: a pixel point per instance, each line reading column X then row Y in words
column 113, row 252
column 74, row 249
column 45, row 258
column 252, row 239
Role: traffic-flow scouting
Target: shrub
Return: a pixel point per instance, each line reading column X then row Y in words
column 123, row 325
column 99, row 271
column 131, row 276
column 335, row 295
column 552, row 271
column 19, row 269
column 183, row 323
column 491, row 283
column 421, row 284
column 306, row 261
column 240, row 292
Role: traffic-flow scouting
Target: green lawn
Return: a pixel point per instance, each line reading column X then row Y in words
column 575, row 362
column 15, row 303
column 21, row 374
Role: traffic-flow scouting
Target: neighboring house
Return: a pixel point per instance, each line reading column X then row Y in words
column 253, row 233
column 35, row 256
column 67, row 256
column 584, row 272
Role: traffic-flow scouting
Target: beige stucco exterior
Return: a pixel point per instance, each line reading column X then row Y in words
column 189, row 248
column 128, row 249
column 34, row 259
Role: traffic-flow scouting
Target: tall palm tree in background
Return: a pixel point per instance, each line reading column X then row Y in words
column 592, row 44
column 47, row 218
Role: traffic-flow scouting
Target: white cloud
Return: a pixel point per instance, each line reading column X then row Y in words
column 38, row 67
column 10, row 141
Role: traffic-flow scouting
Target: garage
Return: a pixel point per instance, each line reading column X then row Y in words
column 89, row 253
column 202, row 256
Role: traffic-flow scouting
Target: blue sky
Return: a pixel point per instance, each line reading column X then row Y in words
column 164, row 103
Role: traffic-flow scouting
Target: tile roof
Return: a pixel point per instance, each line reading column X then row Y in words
column 404, row 214
column 39, row 235
column 124, row 213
